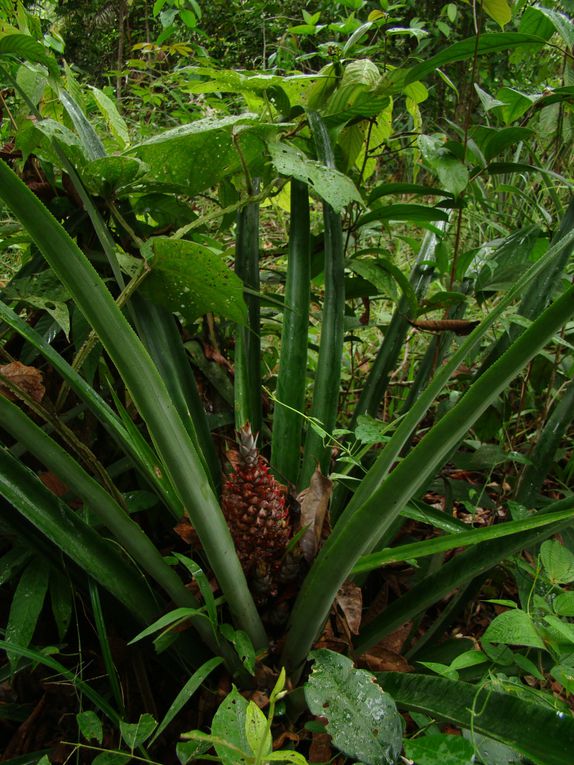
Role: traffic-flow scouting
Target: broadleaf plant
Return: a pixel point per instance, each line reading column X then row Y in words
column 282, row 374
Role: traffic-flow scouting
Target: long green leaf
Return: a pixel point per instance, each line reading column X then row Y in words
column 454, row 541
column 248, row 340
column 75, row 538
column 148, row 391
column 386, row 359
column 326, row 389
column 125, row 529
column 158, row 330
column 191, row 686
column 72, row 677
column 465, row 49
column 539, row 291
column 545, row 736
column 127, row 438
column 456, row 573
column 361, row 528
column 26, row 605
column 291, row 378
column 542, row 456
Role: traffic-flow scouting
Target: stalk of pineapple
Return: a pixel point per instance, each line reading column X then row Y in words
column 254, row 504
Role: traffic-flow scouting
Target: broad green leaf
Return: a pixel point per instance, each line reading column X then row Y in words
column 451, row 172
column 488, row 101
column 192, row 280
column 370, row 430
column 90, row 726
column 513, row 627
column 256, row 730
column 188, row 751
column 44, row 291
column 38, row 137
column 109, row 175
column 417, row 91
column 563, row 604
column 363, row 721
column 561, row 23
column 361, row 71
column 26, row 47
column 197, row 156
column 558, row 562
column 564, row 629
column 335, row 188
column 114, row 120
column 499, row 10
column 494, row 141
column 242, row 644
column 135, row 734
column 543, row 735
column 565, row 676
column 440, row 749
column 26, row 606
column 515, row 104
column 229, row 724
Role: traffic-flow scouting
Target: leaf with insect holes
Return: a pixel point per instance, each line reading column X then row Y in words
column 90, row 726
column 257, row 731
column 363, row 720
column 135, row 734
column 440, row 749
column 192, row 280
column 229, row 725
column 332, row 186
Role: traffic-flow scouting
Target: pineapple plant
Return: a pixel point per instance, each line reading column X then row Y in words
column 255, row 507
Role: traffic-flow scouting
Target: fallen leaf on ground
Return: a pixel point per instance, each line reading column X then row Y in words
column 28, row 379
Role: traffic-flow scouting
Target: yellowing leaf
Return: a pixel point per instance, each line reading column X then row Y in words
column 498, row 10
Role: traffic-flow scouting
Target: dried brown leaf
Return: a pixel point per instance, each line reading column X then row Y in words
column 380, row 659
column 320, row 748
column 350, row 600
column 314, row 502
column 28, row 379
column 185, row 530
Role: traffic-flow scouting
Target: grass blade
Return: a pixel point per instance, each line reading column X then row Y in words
column 191, row 686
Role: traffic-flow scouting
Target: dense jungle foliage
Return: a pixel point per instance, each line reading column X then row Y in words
column 286, row 382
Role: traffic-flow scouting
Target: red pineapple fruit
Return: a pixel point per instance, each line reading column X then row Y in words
column 254, row 504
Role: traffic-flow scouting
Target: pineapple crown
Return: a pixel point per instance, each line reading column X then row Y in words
column 248, row 452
